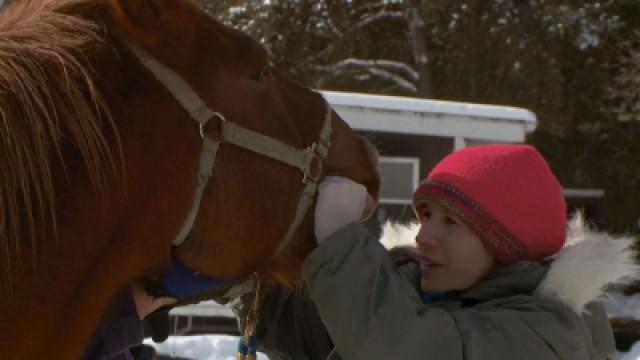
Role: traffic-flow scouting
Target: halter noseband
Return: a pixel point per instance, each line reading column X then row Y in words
column 309, row 161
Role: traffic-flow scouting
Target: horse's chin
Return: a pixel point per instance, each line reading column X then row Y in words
column 287, row 269
column 289, row 276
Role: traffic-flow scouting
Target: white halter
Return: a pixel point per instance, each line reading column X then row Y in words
column 308, row 160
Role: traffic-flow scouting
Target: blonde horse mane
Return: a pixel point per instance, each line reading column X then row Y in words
column 47, row 94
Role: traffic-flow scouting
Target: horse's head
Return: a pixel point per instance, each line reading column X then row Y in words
column 251, row 199
column 80, row 96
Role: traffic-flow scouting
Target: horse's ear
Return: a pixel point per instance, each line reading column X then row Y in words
column 139, row 11
column 139, row 19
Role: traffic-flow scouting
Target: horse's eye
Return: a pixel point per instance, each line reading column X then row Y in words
column 260, row 75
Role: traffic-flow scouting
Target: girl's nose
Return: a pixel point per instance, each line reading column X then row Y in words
column 428, row 235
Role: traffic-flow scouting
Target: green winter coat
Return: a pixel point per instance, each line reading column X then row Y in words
column 371, row 309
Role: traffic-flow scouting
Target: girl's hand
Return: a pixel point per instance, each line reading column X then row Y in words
column 146, row 304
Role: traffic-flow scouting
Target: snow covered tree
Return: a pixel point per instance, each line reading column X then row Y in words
column 366, row 44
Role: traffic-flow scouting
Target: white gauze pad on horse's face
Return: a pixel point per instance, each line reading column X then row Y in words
column 341, row 201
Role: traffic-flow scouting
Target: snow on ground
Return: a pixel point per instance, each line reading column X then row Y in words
column 201, row 347
column 224, row 347
column 618, row 305
column 634, row 354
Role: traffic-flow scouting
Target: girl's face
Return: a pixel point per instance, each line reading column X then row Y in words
column 452, row 257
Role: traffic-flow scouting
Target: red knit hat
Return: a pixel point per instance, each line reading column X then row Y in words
column 506, row 194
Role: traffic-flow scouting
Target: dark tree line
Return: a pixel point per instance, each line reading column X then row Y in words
column 575, row 63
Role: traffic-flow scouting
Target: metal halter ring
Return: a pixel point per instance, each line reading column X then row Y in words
column 203, row 124
column 312, row 165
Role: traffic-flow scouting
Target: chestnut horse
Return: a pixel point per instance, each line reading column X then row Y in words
column 103, row 167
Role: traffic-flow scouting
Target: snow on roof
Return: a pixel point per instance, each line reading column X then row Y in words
column 432, row 117
column 399, row 103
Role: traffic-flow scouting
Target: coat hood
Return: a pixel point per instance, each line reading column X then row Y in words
column 588, row 264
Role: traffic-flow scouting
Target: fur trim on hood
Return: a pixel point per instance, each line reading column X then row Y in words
column 589, row 262
column 580, row 273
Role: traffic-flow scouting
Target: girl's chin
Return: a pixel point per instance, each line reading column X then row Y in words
column 429, row 286
column 435, row 281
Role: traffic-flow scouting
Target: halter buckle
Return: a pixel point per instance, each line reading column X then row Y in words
column 312, row 165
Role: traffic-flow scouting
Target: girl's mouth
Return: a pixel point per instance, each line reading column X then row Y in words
column 428, row 265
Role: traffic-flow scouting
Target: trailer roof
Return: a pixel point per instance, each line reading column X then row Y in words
column 432, row 117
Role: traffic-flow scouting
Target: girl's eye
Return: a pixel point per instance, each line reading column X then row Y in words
column 426, row 213
column 450, row 221
column 260, row 75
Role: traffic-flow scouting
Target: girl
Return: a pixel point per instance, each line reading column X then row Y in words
column 477, row 285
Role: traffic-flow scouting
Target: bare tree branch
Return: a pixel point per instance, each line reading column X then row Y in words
column 390, row 64
column 378, row 16
column 372, row 67
column 396, row 79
